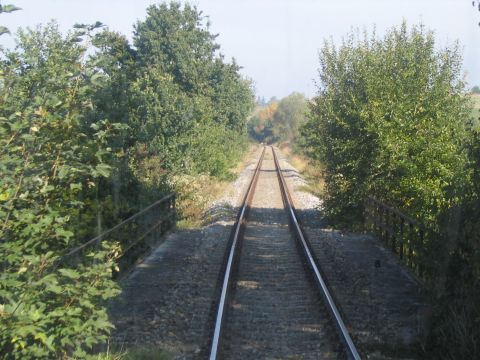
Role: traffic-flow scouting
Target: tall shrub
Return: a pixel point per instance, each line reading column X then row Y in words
column 51, row 160
column 184, row 87
column 389, row 120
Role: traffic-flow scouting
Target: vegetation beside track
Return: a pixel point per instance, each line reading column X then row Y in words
column 475, row 110
column 392, row 119
column 92, row 129
column 200, row 191
column 312, row 171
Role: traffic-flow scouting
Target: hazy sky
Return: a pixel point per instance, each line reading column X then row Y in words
column 276, row 41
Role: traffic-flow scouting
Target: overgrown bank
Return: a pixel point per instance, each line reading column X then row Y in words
column 392, row 120
column 92, row 129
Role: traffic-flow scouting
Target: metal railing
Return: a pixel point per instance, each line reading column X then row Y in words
column 404, row 235
column 134, row 235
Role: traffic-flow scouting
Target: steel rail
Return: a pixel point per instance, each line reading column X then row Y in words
column 352, row 352
column 234, row 240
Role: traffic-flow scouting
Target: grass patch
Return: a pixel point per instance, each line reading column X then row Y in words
column 139, row 353
column 312, row 172
column 196, row 193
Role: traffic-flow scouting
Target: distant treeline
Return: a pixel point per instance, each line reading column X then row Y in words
column 92, row 128
column 278, row 120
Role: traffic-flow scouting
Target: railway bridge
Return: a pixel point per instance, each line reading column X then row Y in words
column 265, row 279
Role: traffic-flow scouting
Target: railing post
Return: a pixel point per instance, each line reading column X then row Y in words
column 421, row 267
column 402, row 222
column 174, row 208
column 394, row 232
column 386, row 223
column 406, row 236
column 410, row 244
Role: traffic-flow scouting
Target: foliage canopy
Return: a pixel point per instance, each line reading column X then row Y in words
column 389, row 120
column 86, row 140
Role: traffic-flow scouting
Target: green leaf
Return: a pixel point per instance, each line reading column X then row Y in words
column 97, row 79
column 103, row 170
column 4, row 30
column 62, row 233
column 9, row 8
column 70, row 273
column 54, row 288
column 77, row 186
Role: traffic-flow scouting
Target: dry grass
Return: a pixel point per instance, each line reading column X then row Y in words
column 195, row 193
column 138, row 353
column 199, row 192
column 311, row 172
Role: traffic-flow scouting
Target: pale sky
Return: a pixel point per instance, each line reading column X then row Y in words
column 275, row 41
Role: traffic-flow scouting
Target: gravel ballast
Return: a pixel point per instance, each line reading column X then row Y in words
column 383, row 305
column 166, row 300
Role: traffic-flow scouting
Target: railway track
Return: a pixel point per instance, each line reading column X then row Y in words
column 273, row 302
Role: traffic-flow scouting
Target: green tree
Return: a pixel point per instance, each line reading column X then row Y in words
column 185, row 91
column 132, row 185
column 232, row 96
column 51, row 159
column 290, row 115
column 260, row 125
column 176, row 39
column 389, row 120
column 279, row 120
column 336, row 133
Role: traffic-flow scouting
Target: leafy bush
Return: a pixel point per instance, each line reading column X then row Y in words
column 389, row 120
column 52, row 158
column 88, row 140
